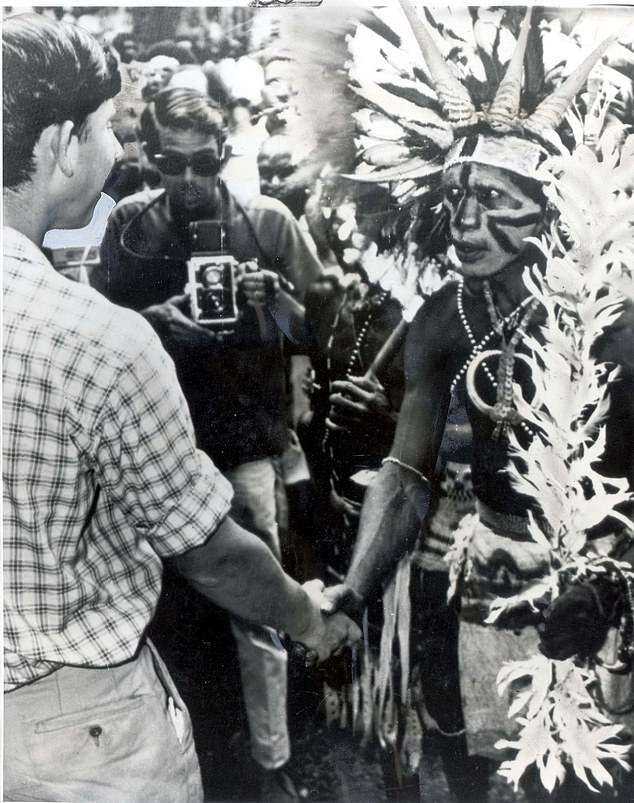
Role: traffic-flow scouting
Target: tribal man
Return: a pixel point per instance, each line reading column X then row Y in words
column 493, row 204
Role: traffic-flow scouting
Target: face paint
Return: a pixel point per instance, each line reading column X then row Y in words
column 491, row 211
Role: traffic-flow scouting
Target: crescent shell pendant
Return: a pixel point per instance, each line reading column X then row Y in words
column 490, row 410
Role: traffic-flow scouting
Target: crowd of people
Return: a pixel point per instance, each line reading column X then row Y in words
column 287, row 403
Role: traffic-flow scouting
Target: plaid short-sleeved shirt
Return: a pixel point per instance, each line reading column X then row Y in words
column 101, row 474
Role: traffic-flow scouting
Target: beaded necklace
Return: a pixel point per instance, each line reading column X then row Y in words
column 503, row 413
column 355, row 356
column 478, row 345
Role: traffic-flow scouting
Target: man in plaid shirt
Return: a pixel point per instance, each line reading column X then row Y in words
column 101, row 475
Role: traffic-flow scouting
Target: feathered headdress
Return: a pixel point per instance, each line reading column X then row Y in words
column 429, row 131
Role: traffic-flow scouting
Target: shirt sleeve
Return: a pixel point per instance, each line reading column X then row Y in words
column 292, row 255
column 149, row 467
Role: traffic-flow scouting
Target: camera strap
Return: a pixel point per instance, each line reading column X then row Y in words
column 205, row 237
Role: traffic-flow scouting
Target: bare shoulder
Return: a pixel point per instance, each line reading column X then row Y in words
column 435, row 330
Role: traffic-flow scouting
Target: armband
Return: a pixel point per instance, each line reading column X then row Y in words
column 400, row 463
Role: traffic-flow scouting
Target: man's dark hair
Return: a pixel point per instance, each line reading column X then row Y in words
column 184, row 109
column 120, row 39
column 168, row 47
column 53, row 72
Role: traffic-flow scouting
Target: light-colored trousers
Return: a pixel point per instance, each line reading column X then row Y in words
column 263, row 660
column 101, row 735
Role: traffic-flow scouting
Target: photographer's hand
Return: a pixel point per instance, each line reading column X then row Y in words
column 262, row 290
column 170, row 320
column 260, row 287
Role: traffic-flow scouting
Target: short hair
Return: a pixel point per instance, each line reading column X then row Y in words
column 168, row 47
column 121, row 38
column 184, row 109
column 53, row 72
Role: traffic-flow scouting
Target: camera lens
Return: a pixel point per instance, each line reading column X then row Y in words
column 211, row 277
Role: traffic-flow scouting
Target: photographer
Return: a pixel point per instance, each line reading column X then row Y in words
column 232, row 373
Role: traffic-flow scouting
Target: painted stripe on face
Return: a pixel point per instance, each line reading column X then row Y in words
column 526, row 219
column 529, row 188
column 456, row 210
column 469, row 145
column 498, row 221
column 502, row 238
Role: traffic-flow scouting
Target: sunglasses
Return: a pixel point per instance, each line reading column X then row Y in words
column 205, row 162
column 267, row 173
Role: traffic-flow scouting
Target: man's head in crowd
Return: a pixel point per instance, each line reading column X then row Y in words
column 279, row 175
column 58, row 144
column 277, row 77
column 126, row 46
column 184, row 139
column 216, row 42
column 157, row 72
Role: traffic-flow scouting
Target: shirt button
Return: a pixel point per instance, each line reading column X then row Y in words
column 95, row 731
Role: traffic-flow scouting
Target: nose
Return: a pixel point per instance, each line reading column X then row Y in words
column 468, row 212
column 188, row 175
column 275, row 180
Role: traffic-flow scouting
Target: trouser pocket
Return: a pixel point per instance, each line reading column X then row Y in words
column 133, row 749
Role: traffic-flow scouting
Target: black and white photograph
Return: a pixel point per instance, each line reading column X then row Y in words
column 318, row 403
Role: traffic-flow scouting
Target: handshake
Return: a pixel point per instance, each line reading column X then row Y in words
column 329, row 630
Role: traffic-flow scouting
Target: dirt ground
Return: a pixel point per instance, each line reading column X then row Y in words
column 328, row 763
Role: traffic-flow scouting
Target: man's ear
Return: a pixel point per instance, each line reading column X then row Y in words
column 61, row 143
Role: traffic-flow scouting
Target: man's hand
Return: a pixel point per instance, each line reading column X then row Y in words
column 359, row 401
column 171, row 320
column 325, row 636
column 344, row 598
column 260, row 287
column 577, row 622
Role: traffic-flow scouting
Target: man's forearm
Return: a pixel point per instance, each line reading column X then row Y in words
column 235, row 570
column 392, row 512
